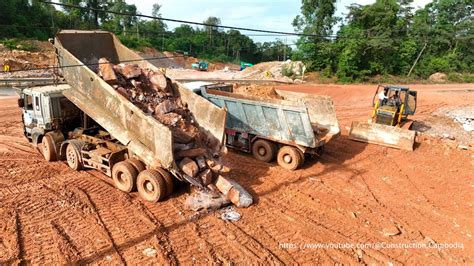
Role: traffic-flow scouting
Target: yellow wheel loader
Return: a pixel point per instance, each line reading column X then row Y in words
column 389, row 125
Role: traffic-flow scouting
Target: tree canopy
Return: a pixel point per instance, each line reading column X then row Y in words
column 382, row 38
column 386, row 37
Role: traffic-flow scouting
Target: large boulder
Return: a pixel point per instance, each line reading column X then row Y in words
column 438, row 77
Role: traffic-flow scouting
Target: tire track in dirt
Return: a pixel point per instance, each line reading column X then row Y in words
column 145, row 229
column 11, row 242
column 327, row 233
column 88, row 200
column 201, row 251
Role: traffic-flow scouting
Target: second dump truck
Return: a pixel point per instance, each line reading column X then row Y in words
column 289, row 129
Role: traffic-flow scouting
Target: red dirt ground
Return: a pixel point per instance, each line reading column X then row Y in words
column 355, row 193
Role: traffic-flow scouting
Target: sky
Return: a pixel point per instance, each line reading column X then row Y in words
column 258, row 14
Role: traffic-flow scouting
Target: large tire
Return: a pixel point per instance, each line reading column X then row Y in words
column 137, row 164
column 151, row 185
column 264, row 150
column 168, row 180
column 289, row 158
column 302, row 156
column 48, row 149
column 73, row 157
column 124, row 175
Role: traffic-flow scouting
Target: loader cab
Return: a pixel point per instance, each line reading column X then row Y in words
column 45, row 109
column 406, row 96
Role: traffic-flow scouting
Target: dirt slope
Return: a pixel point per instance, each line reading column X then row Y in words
column 355, row 193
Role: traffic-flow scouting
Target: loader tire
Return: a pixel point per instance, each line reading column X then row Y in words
column 137, row 164
column 48, row 149
column 151, row 186
column 264, row 150
column 124, row 175
column 168, row 180
column 72, row 157
column 289, row 158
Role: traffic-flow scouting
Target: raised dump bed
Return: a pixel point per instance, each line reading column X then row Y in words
column 287, row 128
column 144, row 137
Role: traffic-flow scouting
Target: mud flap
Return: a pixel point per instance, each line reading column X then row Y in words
column 389, row 136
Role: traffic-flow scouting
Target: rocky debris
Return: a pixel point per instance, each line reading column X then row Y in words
column 463, row 147
column 391, row 230
column 201, row 161
column 196, row 151
column 464, row 116
column 199, row 200
column 106, row 71
column 234, row 192
column 454, row 126
column 229, row 214
column 206, row 176
column 164, row 107
column 438, row 77
column 150, row 252
column 128, row 71
column 189, row 167
column 447, row 136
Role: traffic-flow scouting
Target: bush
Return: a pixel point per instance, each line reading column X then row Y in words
column 455, row 77
column 15, row 44
column 287, row 70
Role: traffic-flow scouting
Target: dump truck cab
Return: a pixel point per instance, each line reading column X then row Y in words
column 45, row 109
column 394, row 110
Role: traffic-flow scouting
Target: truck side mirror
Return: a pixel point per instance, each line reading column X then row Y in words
column 21, row 103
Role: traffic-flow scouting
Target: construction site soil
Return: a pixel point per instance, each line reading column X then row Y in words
column 355, row 193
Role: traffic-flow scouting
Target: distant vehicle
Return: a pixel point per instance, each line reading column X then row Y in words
column 390, row 125
column 244, row 65
column 201, row 65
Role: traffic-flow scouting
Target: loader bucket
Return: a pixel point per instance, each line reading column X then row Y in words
column 384, row 135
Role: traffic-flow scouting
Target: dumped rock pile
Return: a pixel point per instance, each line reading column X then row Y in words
column 196, row 151
column 258, row 91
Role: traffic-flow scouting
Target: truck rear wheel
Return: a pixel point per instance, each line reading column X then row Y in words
column 72, row 157
column 302, row 156
column 289, row 157
column 168, row 180
column 137, row 164
column 124, row 175
column 263, row 150
column 48, row 150
column 151, row 185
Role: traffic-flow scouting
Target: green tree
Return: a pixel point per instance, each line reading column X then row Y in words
column 317, row 18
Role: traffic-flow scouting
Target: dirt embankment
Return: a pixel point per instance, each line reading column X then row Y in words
column 37, row 62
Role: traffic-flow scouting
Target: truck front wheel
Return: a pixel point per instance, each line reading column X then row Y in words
column 289, row 158
column 263, row 150
column 72, row 157
column 151, row 185
column 48, row 149
column 124, row 175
